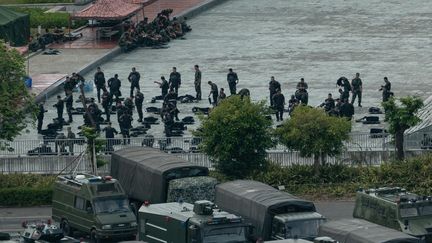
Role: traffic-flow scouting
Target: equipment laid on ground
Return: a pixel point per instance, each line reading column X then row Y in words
column 273, row 213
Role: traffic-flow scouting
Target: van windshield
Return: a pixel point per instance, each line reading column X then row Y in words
column 225, row 235
column 303, row 229
column 111, row 205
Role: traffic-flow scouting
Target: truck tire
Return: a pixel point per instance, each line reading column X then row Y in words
column 67, row 230
column 94, row 237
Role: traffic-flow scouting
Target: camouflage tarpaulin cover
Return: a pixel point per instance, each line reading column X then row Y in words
column 361, row 231
column 192, row 189
column 145, row 172
column 258, row 202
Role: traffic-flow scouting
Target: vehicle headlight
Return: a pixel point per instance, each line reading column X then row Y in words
column 134, row 224
column 107, row 226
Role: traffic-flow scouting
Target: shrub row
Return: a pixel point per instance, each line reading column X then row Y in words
column 25, row 180
column 25, row 196
column 49, row 20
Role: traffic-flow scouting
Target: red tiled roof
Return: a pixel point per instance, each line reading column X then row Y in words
column 143, row 2
column 108, row 10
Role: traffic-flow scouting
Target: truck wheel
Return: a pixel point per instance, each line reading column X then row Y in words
column 64, row 225
column 93, row 237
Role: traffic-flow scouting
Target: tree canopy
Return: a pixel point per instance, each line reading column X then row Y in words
column 236, row 135
column 16, row 103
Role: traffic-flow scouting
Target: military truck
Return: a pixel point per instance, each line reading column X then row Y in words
column 94, row 205
column 397, row 209
column 361, row 231
column 275, row 215
column 187, row 223
column 151, row 175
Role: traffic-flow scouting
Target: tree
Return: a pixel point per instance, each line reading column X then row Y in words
column 314, row 133
column 401, row 117
column 94, row 147
column 16, row 103
column 236, row 135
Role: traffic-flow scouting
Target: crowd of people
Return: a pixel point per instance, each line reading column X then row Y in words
column 155, row 33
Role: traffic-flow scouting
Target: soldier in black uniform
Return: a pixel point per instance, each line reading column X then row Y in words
column 213, row 92
column 120, row 110
column 292, row 103
column 163, row 85
column 114, row 85
column 279, row 103
column 76, row 79
column 346, row 109
column 357, row 89
column 128, row 104
column 197, row 82
column 171, row 96
column 60, row 106
column 233, row 80
column 40, row 116
column 139, row 99
column 273, row 87
column 301, row 93
column 329, row 103
column 125, row 125
column 134, row 78
column 106, row 104
column 175, row 80
column 68, row 85
column 109, row 135
column 99, row 81
column 386, row 90
column 69, row 105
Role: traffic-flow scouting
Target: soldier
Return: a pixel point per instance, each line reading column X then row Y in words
column 68, row 85
column 109, row 135
column 279, row 103
column 106, row 104
column 329, row 103
column 357, row 89
column 213, row 93
column 175, row 80
column 99, row 81
column 292, row 103
column 197, row 82
column 301, row 93
column 60, row 106
column 386, row 90
column 76, row 78
column 71, row 140
column 163, row 85
column 273, row 87
column 222, row 95
column 121, row 109
column 128, row 104
column 69, row 106
column 125, row 125
column 114, row 85
column 139, row 99
column 346, row 109
column 233, row 80
column 171, row 96
column 60, row 144
column 134, row 78
column 40, row 116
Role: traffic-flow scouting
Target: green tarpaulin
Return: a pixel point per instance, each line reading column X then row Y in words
column 14, row 27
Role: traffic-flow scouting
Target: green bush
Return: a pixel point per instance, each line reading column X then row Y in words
column 25, row 196
column 49, row 20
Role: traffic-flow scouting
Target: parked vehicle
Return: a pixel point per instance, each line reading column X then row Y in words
column 187, row 223
column 94, row 205
column 275, row 215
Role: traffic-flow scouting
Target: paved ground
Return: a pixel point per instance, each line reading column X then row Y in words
column 11, row 218
column 317, row 40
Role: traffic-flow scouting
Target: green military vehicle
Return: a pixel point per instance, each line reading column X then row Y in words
column 397, row 209
column 187, row 223
column 151, row 175
column 275, row 215
column 94, row 205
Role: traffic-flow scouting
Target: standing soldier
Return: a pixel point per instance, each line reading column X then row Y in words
column 233, row 80
column 213, row 93
column 134, row 78
column 125, row 126
column 139, row 99
column 279, row 103
column 109, row 135
column 197, row 82
column 114, row 85
column 71, row 140
column 99, row 81
column 69, row 104
column 40, row 116
column 274, row 86
column 163, row 85
column 357, row 89
column 60, row 106
column 175, row 80
column 106, row 104
column 386, row 90
column 68, row 85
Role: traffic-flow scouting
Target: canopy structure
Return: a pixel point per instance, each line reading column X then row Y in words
column 108, row 10
column 14, row 27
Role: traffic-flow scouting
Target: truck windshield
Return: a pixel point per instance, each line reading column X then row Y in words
column 225, row 235
column 425, row 210
column 408, row 212
column 111, row 205
column 303, row 229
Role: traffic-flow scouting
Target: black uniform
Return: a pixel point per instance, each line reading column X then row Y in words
column 175, row 81
column 347, row 110
column 386, row 91
column 69, row 104
column 40, row 117
column 329, row 104
column 134, row 78
column 60, row 106
column 106, row 104
column 128, row 104
column 68, row 86
column 197, row 84
column 232, row 79
column 125, row 126
column 99, row 81
column 274, row 86
column 357, row 90
column 214, row 92
column 139, row 99
column 109, row 135
column 279, row 102
column 164, row 87
column 114, row 84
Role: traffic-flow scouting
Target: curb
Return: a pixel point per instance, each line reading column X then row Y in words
column 58, row 85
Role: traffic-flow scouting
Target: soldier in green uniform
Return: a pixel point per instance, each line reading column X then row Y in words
column 197, row 82
column 357, row 89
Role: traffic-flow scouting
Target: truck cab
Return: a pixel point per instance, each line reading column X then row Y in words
column 187, row 223
column 297, row 225
column 94, row 205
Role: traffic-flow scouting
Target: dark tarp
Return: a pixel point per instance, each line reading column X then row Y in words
column 144, row 172
column 361, row 231
column 14, row 27
column 258, row 203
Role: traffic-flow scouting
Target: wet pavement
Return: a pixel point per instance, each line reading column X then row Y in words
column 317, row 40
